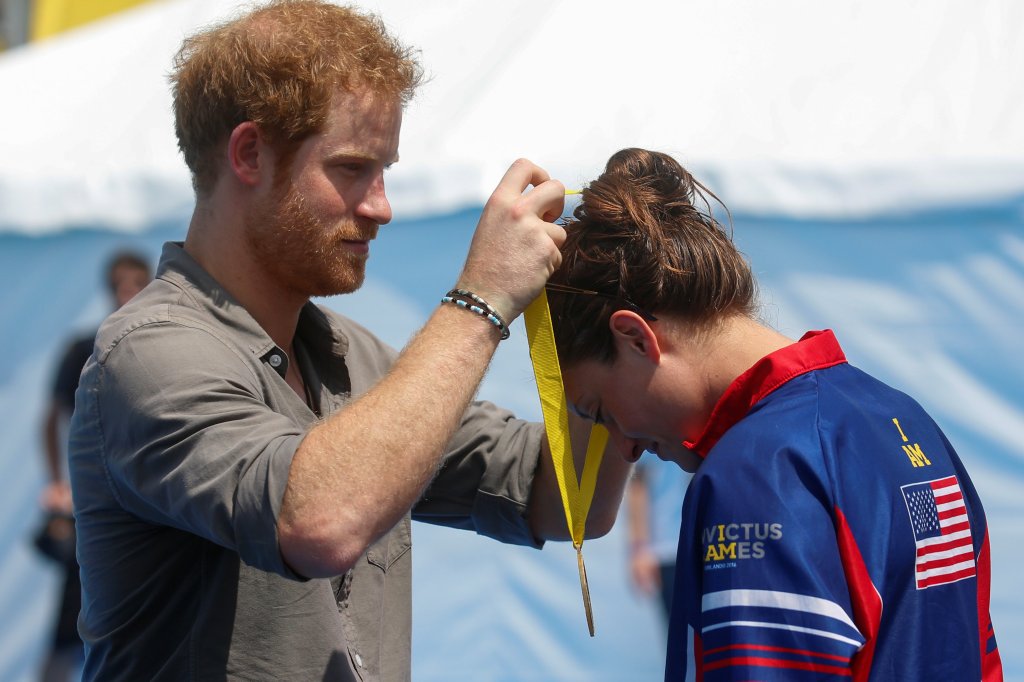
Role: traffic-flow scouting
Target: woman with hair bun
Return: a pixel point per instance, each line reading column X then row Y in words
column 830, row 530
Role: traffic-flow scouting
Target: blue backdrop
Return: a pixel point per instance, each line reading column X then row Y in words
column 932, row 303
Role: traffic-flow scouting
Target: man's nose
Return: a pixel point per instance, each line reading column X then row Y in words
column 374, row 204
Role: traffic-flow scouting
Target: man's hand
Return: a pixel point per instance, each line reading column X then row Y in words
column 515, row 247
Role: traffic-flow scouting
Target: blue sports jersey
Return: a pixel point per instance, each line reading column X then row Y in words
column 830, row 533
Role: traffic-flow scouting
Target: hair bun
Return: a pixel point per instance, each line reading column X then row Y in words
column 641, row 188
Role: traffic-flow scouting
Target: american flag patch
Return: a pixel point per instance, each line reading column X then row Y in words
column 942, row 532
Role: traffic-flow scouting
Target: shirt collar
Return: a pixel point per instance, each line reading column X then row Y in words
column 815, row 350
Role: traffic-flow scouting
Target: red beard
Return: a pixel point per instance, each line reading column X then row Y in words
column 305, row 252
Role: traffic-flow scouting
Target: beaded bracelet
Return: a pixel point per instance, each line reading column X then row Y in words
column 481, row 302
column 484, row 309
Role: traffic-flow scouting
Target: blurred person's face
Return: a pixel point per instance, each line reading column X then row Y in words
column 312, row 231
column 126, row 281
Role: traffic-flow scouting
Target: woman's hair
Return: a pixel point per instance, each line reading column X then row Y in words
column 641, row 240
column 280, row 66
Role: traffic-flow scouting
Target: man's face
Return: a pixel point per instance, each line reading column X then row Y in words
column 311, row 232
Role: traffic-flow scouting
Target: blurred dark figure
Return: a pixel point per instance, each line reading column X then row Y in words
column 127, row 273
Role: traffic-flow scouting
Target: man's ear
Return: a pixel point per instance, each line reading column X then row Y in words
column 248, row 153
column 632, row 335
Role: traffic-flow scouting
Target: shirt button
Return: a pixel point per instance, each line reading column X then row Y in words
column 275, row 360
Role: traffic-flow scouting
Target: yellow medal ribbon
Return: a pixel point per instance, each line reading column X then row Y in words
column 577, row 492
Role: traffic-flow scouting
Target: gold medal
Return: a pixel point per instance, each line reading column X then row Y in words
column 586, row 589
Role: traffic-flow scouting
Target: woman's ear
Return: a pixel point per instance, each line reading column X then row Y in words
column 247, row 153
column 633, row 336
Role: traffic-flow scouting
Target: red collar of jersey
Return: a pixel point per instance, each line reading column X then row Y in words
column 815, row 350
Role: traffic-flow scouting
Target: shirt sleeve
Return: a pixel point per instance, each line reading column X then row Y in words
column 485, row 478
column 189, row 442
column 769, row 598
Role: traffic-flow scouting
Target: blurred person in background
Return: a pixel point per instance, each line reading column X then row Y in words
column 126, row 274
column 654, row 508
column 245, row 464
column 830, row 530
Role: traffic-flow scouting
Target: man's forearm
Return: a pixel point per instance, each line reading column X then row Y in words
column 354, row 476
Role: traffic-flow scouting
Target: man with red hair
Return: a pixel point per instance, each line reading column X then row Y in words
column 244, row 462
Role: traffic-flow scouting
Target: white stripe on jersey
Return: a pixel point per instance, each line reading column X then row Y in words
column 777, row 600
column 780, row 626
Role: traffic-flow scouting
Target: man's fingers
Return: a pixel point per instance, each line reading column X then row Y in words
column 556, row 232
column 546, row 200
column 520, row 175
column 516, row 245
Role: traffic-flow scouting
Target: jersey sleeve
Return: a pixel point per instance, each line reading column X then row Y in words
column 768, row 598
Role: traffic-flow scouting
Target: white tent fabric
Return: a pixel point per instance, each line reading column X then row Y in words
column 797, row 106
column 895, row 123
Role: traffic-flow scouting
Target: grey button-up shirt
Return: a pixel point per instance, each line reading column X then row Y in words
column 180, row 447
